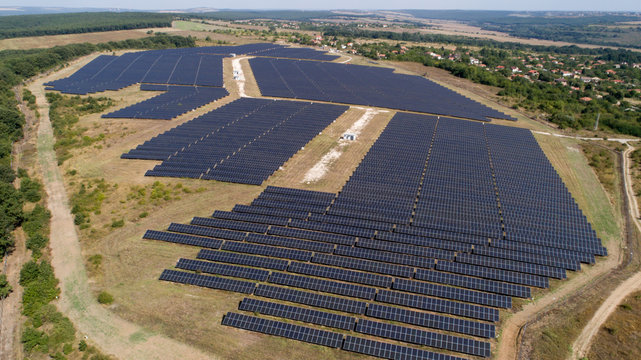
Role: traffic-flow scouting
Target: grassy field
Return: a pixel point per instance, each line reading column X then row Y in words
column 619, row 336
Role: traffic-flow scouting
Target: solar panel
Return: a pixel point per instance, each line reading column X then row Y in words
column 223, row 269
column 183, row 239
column 438, row 305
column 290, row 331
column 298, row 313
column 327, row 286
column 208, row 281
column 434, row 321
column 242, row 259
column 391, row 351
column 422, row 337
column 311, row 299
column 340, row 274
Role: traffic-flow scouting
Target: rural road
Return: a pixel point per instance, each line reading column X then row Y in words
column 110, row 333
column 581, row 346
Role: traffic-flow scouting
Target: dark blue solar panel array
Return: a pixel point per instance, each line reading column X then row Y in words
column 244, row 141
column 176, row 101
column 363, row 85
column 175, row 67
column 200, row 66
column 449, row 273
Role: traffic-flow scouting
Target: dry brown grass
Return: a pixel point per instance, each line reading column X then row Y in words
column 251, row 85
column 619, row 336
column 35, row 42
column 293, row 171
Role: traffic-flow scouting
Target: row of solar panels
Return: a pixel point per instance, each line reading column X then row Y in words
column 244, row 141
column 176, row 101
column 187, row 66
column 363, row 85
column 364, row 326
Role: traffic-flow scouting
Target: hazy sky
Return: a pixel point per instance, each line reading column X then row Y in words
column 628, row 5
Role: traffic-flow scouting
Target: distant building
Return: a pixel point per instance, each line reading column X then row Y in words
column 349, row 136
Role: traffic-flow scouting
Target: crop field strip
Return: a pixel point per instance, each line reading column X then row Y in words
column 363, row 85
column 452, row 279
column 244, row 141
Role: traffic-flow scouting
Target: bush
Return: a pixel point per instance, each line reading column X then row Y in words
column 36, row 243
column 82, row 346
column 40, row 286
column 95, row 260
column 6, row 173
column 67, row 348
column 5, row 287
column 118, row 223
column 105, row 298
column 37, row 221
column 31, row 190
column 34, row 339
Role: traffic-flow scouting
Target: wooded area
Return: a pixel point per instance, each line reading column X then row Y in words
column 74, row 23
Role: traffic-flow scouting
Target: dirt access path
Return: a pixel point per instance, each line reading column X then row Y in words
column 581, row 346
column 111, row 334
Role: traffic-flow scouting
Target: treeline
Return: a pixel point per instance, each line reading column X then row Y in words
column 15, row 67
column 291, row 15
column 74, row 23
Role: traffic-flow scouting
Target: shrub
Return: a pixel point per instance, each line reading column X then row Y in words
column 31, row 190
column 34, row 339
column 118, row 223
column 82, row 346
column 40, row 286
column 37, row 221
column 67, row 348
column 36, row 243
column 105, row 298
column 5, row 287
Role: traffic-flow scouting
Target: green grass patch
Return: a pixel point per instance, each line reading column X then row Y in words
column 65, row 112
column 105, row 298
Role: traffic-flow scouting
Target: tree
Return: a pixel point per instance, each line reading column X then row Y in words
column 5, row 287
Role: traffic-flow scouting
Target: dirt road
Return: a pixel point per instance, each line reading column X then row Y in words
column 582, row 344
column 111, row 334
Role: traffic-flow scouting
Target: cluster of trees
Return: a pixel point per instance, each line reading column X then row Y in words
column 73, row 23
